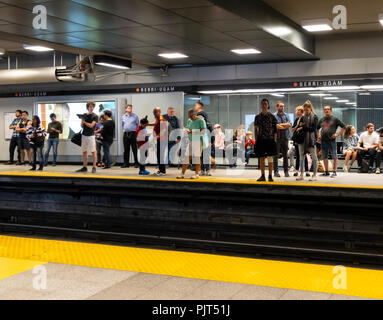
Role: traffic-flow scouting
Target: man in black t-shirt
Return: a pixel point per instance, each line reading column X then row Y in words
column 107, row 136
column 88, row 141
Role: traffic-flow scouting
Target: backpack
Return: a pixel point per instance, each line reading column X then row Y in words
column 365, row 166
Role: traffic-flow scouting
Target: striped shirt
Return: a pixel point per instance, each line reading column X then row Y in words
column 32, row 132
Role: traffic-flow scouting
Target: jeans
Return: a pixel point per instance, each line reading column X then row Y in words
column 313, row 153
column 161, row 155
column 282, row 147
column 130, row 140
column 205, row 159
column 171, row 144
column 297, row 160
column 52, row 143
column 248, row 154
column 12, row 146
column 106, row 148
column 362, row 154
column 328, row 146
column 378, row 158
column 38, row 150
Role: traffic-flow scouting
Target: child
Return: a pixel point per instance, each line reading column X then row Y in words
column 36, row 136
column 249, row 146
column 142, row 143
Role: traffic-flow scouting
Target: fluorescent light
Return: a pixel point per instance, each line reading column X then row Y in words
column 381, row 18
column 173, row 55
column 277, row 95
column 364, row 94
column 351, row 103
column 2, row 51
column 339, row 88
column 116, row 66
column 279, row 31
column 372, row 87
column 246, row 51
column 320, row 94
column 317, row 25
column 342, row 101
column 37, row 48
column 331, row 98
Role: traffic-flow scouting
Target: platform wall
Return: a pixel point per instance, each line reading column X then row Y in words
column 143, row 105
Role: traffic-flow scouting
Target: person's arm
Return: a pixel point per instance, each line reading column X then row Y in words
column 26, row 127
column 380, row 145
column 255, row 133
column 12, row 126
column 60, row 129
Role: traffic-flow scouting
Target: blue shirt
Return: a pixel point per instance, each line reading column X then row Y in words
column 130, row 123
column 14, row 123
column 284, row 119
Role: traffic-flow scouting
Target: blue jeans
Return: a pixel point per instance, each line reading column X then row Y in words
column 106, row 149
column 248, row 154
column 52, row 143
column 39, row 151
column 329, row 146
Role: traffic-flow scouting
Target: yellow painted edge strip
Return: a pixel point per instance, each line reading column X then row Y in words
column 10, row 267
column 291, row 275
column 201, row 179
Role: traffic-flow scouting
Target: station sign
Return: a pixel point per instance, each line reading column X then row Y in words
column 318, row 83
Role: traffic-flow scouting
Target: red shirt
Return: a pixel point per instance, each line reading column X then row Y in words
column 160, row 128
column 247, row 142
column 141, row 136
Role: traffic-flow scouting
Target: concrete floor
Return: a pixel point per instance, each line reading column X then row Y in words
column 69, row 282
column 352, row 178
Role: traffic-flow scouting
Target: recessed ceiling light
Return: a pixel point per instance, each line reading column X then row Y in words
column 110, row 65
column 331, row 98
column 173, row 55
column 317, row 25
column 2, row 51
column 37, row 48
column 246, row 51
column 351, row 103
column 342, row 101
column 279, row 31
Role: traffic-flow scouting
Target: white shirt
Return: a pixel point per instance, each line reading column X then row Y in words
column 368, row 139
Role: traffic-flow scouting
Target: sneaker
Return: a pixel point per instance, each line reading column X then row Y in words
column 106, row 167
column 94, row 170
column 360, row 170
column 349, row 167
column 325, row 174
column 32, row 169
column 333, row 175
column 296, row 174
column 99, row 164
column 54, row 164
column 313, row 178
column 18, row 163
column 287, row 174
column 377, row 171
column 270, row 178
column 8, row 163
column 83, row 169
column 203, row 173
column 262, row 178
column 307, row 174
column 370, row 170
column 276, row 174
column 345, row 169
column 125, row 166
column 181, row 176
column 292, row 169
column 158, row 174
column 195, row 176
column 144, row 173
column 208, row 174
column 41, row 169
column 300, row 178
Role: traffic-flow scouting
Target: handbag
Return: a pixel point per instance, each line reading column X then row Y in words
column 76, row 139
column 298, row 136
column 38, row 141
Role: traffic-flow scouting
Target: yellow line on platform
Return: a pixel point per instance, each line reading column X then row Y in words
column 299, row 276
column 10, row 267
column 201, row 179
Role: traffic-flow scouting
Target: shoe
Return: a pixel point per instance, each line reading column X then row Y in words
column 136, row 165
column 54, row 164
column 195, row 176
column 31, row 164
column 99, row 164
column 300, row 178
column 370, row 170
column 307, row 174
column 202, row 173
column 208, row 174
column 292, row 169
column 18, row 163
column 296, row 174
column 313, row 178
column 94, row 170
column 276, row 174
column 325, row 174
column 159, row 174
column 32, row 169
column 333, row 175
column 262, row 178
column 83, row 169
column 144, row 173
column 8, row 163
column 125, row 166
column 41, row 168
column 287, row 174
column 377, row 171
column 345, row 169
column 360, row 170
column 270, row 178
column 106, row 167
column 181, row 176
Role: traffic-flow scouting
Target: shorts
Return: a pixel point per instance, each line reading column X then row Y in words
column 329, row 146
column 265, row 148
column 24, row 143
column 88, row 144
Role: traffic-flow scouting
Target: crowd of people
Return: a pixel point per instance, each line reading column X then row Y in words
column 199, row 145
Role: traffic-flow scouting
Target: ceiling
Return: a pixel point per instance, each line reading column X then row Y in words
column 141, row 29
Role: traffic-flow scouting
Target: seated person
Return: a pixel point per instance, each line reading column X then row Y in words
column 349, row 147
column 367, row 145
column 380, row 151
column 249, row 146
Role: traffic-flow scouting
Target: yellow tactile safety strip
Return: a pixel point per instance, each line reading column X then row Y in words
column 201, row 179
column 10, row 267
column 299, row 276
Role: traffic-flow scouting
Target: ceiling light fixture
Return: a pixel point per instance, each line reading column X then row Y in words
column 110, row 65
column 370, row 87
column 339, row 88
column 2, row 51
column 331, row 98
column 173, row 55
column 381, row 18
column 112, row 62
column 246, row 51
column 279, row 31
column 317, row 25
column 37, row 48
column 342, row 101
column 320, row 94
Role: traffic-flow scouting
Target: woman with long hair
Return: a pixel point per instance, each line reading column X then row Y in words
column 309, row 126
column 36, row 135
column 350, row 144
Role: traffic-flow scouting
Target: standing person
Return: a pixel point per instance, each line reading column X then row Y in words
column 15, row 141
column 130, row 122
column 107, row 133
column 328, row 126
column 299, row 111
column 368, row 142
column 174, row 123
column 218, row 142
column 350, row 144
column 206, row 152
column 196, row 128
column 54, row 130
column 265, row 136
column 161, row 134
column 282, row 138
column 21, row 128
column 249, row 145
column 308, row 124
column 98, row 135
column 88, row 141
column 380, row 151
column 142, row 137
column 36, row 135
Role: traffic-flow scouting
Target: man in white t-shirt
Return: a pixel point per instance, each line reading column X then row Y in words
column 380, row 151
column 368, row 142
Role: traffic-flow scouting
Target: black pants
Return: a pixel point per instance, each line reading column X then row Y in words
column 282, row 147
column 362, row 154
column 378, row 158
column 38, row 150
column 161, row 156
column 130, row 141
column 12, row 146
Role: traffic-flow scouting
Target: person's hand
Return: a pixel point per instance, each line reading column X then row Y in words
column 319, row 138
column 299, row 129
column 334, row 136
column 39, row 134
column 365, row 149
